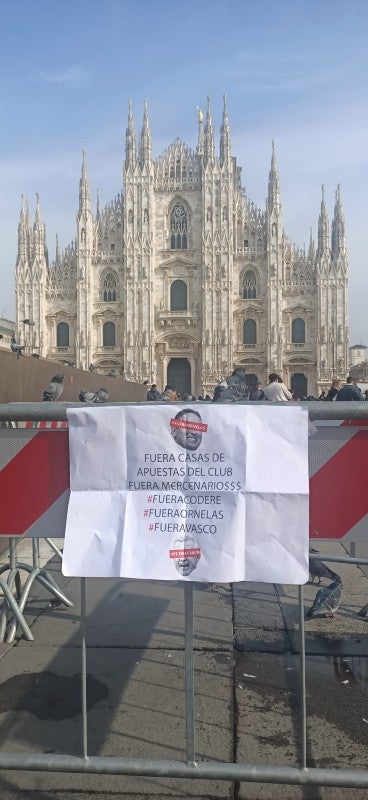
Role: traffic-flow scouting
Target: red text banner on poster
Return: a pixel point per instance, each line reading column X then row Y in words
column 33, row 480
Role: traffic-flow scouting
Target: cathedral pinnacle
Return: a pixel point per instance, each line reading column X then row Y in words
column 273, row 183
column 24, row 231
column 57, row 251
column 200, row 131
column 225, row 146
column 146, row 147
column 38, row 213
column 338, row 244
column 323, row 227
column 84, row 201
column 209, row 142
column 130, row 146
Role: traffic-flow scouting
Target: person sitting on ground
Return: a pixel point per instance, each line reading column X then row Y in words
column 350, row 391
column 232, row 388
column 170, row 394
column 256, row 392
column 153, row 394
column 333, row 390
column 276, row 389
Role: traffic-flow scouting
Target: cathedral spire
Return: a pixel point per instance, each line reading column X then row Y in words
column 311, row 250
column 200, row 132
column 209, row 140
column 38, row 220
column 23, row 210
column 338, row 244
column 225, row 145
column 57, row 252
column 146, row 146
column 23, row 228
column 273, row 183
column 84, row 201
column 323, row 227
column 130, row 147
column 39, row 232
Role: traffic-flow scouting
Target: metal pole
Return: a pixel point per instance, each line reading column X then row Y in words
column 57, row 411
column 36, row 553
column 302, row 703
column 189, row 673
column 84, row 667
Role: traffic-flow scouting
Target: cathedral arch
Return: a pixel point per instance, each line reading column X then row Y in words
column 178, row 296
column 62, row 334
column 249, row 285
column 178, row 216
column 250, row 331
column 108, row 290
column 109, row 334
column 298, row 331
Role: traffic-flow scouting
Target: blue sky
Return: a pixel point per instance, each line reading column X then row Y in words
column 293, row 71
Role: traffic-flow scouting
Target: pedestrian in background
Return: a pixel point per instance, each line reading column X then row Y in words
column 276, row 389
column 350, row 391
column 334, row 390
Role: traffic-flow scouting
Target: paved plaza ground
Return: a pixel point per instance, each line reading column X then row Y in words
column 246, row 661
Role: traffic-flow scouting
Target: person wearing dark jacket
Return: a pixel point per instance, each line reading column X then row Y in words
column 334, row 390
column 153, row 394
column 350, row 391
column 233, row 388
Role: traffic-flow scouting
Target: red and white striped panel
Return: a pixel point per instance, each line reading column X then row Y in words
column 338, row 507
column 34, row 482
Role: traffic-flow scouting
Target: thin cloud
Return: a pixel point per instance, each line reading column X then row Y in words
column 70, row 76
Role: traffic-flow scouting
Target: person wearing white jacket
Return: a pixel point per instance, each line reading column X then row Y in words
column 276, row 389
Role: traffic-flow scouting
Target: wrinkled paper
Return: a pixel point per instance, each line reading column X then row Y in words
column 208, row 493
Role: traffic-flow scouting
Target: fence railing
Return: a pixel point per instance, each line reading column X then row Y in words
column 299, row 774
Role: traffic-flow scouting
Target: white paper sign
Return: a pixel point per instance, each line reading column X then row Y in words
column 214, row 493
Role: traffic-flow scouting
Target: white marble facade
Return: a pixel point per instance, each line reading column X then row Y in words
column 181, row 277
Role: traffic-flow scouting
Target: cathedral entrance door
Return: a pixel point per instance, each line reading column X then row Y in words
column 179, row 375
column 299, row 384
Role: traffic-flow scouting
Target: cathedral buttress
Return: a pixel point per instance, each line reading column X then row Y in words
column 33, row 305
column 85, row 286
column 217, row 213
column 23, row 265
column 209, row 139
column 275, row 240
column 138, row 247
column 331, row 298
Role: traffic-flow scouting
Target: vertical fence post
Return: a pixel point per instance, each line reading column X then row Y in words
column 84, row 667
column 302, row 695
column 189, row 672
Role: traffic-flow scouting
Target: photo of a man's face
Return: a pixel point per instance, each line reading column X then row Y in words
column 185, row 554
column 187, row 430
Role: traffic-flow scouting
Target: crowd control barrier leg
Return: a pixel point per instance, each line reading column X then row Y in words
column 10, row 604
column 54, row 547
column 35, row 573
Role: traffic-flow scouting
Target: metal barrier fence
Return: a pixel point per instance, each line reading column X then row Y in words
column 299, row 775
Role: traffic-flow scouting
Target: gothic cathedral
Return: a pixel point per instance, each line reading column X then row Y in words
column 181, row 277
